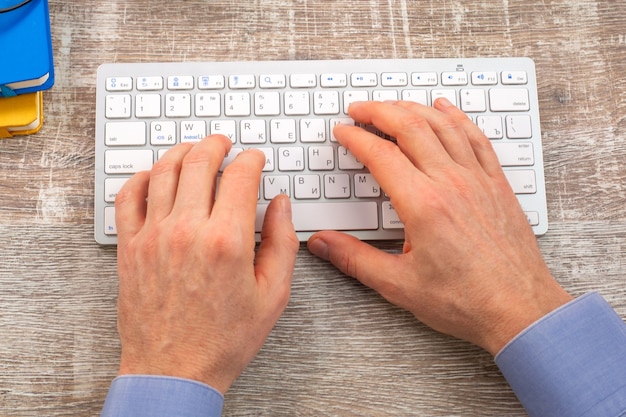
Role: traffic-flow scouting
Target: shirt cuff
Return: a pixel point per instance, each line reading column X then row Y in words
column 571, row 363
column 160, row 396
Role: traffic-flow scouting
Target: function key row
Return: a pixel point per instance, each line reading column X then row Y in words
column 336, row 80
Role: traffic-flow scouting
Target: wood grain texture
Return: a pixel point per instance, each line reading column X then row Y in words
column 339, row 349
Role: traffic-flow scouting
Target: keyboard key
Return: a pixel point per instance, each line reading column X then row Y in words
column 211, row 82
column 448, row 94
column 274, row 185
column 303, row 80
column 180, row 82
column 312, row 130
column 147, row 106
column 272, row 81
column 473, row 100
column 328, row 216
column 518, row 127
column 119, row 84
column 364, row 79
column 307, row 187
column 424, row 79
column 417, row 96
column 338, row 121
column 533, row 217
column 350, row 97
column 234, row 151
column 365, row 186
column 297, row 103
column 394, row 79
column 291, row 158
column 267, row 103
column 390, row 217
column 454, row 78
column 127, row 161
column 125, row 133
column 237, row 104
column 253, row 131
column 509, row 99
column 334, row 80
column 282, row 130
column 224, row 127
column 112, row 186
column 385, row 95
column 522, row 182
column 192, row 131
column 109, row 221
column 117, row 106
column 208, row 104
column 337, row 186
column 150, row 83
column 178, row 105
column 347, row 161
column 514, row 154
column 321, row 158
column 326, row 102
column 269, row 159
column 484, row 78
column 163, row 133
column 491, row 126
column 241, row 81
column 514, row 77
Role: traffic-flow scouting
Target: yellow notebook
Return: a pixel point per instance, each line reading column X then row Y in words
column 21, row 115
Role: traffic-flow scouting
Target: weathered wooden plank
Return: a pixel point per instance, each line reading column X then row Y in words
column 339, row 350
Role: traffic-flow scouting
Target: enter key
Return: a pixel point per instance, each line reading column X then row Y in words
column 514, row 154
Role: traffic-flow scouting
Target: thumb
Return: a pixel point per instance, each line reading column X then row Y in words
column 276, row 257
column 369, row 265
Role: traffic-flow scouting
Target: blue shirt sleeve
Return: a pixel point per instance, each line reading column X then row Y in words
column 571, row 362
column 161, row 396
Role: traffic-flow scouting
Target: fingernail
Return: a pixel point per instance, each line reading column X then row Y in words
column 355, row 104
column 318, row 248
column 285, row 206
column 443, row 102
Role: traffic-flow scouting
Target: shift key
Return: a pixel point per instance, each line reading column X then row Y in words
column 522, row 181
column 128, row 161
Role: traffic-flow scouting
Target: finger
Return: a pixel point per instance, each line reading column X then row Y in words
column 480, row 144
column 448, row 130
column 198, row 175
column 412, row 131
column 131, row 205
column 276, row 256
column 164, row 182
column 390, row 166
column 355, row 258
column 238, row 194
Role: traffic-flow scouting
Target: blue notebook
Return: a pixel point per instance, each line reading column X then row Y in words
column 26, row 47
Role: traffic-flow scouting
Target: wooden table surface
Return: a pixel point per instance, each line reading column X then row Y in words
column 339, row 349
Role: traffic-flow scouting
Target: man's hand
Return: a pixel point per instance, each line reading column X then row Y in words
column 471, row 266
column 194, row 300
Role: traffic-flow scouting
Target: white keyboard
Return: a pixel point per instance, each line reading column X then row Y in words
column 288, row 110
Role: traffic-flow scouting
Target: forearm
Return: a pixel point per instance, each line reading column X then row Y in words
column 570, row 363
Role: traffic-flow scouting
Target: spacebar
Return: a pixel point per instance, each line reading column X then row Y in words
column 309, row 217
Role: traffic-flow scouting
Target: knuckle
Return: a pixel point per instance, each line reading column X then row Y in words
column 282, row 296
column 225, row 244
column 123, row 196
column 348, row 264
column 413, row 122
column 164, row 166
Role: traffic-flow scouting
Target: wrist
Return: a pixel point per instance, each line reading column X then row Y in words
column 515, row 314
